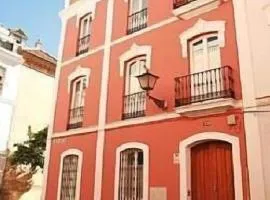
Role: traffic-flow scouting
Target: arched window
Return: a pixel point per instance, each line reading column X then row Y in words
column 77, row 99
column 132, row 172
column 84, row 34
column 135, row 97
column 204, row 53
column 2, row 78
column 69, row 179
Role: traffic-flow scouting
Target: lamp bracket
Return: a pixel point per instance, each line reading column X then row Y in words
column 160, row 103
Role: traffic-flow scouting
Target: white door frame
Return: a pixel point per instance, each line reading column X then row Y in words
column 184, row 153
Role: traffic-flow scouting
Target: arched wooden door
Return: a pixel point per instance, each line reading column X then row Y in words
column 212, row 171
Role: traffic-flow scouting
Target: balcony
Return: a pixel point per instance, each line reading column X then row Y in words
column 186, row 9
column 134, row 105
column 137, row 21
column 204, row 86
column 75, row 118
column 83, row 45
column 178, row 3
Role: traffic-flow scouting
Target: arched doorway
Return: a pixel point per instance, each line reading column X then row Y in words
column 212, row 171
column 189, row 144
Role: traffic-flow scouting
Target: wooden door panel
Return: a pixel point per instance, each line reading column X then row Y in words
column 212, row 171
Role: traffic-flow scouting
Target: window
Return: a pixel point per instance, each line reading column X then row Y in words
column 2, row 78
column 204, row 53
column 137, row 18
column 77, row 103
column 208, row 79
column 84, row 34
column 135, row 97
column 131, row 174
column 69, row 177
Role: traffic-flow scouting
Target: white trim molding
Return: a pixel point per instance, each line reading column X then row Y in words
column 201, row 27
column 195, row 8
column 53, row 106
column 184, row 153
column 79, row 71
column 68, row 152
column 145, row 150
column 208, row 107
column 135, row 50
column 79, row 9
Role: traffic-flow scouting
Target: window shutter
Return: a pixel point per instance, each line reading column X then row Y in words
column 144, row 4
column 134, row 6
column 213, row 53
column 197, row 57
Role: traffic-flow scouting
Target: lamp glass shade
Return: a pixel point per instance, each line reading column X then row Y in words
column 147, row 81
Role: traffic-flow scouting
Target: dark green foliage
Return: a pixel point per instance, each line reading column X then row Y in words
column 31, row 151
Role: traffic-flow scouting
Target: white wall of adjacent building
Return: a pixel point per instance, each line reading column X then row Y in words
column 253, row 36
column 32, row 107
column 25, row 101
column 7, row 100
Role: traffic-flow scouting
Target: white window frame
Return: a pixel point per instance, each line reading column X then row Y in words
column 82, row 91
column 205, row 43
column 199, row 28
column 69, row 152
column 79, row 71
column 128, row 76
column 87, row 17
column 135, row 51
column 145, row 150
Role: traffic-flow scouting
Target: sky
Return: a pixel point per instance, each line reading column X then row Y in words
column 39, row 19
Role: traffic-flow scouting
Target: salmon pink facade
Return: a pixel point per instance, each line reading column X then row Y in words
column 181, row 137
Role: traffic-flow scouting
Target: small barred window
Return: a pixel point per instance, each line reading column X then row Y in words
column 69, row 177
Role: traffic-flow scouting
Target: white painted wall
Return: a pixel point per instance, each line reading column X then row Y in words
column 259, row 32
column 32, row 107
column 7, row 101
column 26, row 100
column 253, row 37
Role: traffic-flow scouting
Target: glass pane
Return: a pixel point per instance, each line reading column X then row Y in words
column 134, row 6
column 213, row 57
column 135, row 70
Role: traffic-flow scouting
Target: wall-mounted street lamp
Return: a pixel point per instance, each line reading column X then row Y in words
column 147, row 82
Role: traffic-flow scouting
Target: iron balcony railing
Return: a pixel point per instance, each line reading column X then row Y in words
column 179, row 3
column 134, row 105
column 83, row 45
column 76, row 118
column 207, row 85
column 137, row 21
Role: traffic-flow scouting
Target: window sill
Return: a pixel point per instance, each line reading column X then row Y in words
column 195, row 8
column 208, row 107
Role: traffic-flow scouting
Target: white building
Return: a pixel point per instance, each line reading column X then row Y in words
column 253, row 38
column 26, row 86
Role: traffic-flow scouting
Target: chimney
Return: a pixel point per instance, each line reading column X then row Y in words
column 38, row 44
